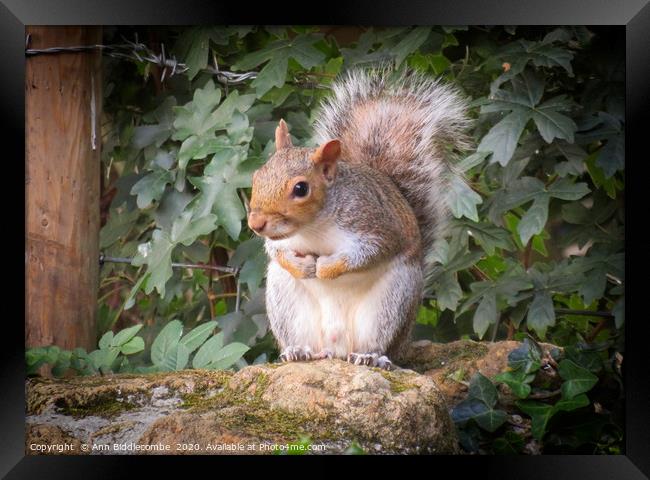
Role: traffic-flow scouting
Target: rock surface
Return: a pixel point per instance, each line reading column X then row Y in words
column 263, row 408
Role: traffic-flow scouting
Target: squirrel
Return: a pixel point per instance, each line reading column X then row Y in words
column 348, row 225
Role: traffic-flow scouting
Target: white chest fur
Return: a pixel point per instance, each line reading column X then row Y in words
column 340, row 314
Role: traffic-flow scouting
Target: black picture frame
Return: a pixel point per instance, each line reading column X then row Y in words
column 634, row 15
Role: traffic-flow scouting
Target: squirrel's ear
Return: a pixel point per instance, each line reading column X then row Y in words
column 282, row 137
column 326, row 155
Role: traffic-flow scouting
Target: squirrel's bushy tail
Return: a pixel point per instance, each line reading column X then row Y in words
column 405, row 125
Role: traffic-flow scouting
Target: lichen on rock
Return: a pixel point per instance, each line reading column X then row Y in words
column 332, row 403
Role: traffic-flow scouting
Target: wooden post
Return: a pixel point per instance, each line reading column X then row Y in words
column 62, row 150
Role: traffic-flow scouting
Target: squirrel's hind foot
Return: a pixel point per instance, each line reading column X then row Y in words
column 370, row 359
column 296, row 354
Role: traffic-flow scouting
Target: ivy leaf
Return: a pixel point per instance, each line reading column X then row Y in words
column 277, row 54
column 463, row 200
column 483, row 389
column 541, row 313
column 491, row 420
column 486, row 314
column 577, row 379
column 526, row 358
column 468, row 409
column 517, row 381
column 540, row 414
column 533, row 222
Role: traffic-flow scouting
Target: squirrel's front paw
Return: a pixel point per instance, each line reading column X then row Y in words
column 328, row 268
column 303, row 266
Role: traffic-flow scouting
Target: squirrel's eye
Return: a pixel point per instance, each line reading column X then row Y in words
column 301, row 189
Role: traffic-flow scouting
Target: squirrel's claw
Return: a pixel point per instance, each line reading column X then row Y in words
column 295, row 354
column 370, row 359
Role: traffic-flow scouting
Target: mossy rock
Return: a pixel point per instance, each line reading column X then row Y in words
column 331, row 402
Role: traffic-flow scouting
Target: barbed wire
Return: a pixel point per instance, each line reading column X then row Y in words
column 140, row 52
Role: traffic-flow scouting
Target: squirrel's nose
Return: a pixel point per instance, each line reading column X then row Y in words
column 256, row 222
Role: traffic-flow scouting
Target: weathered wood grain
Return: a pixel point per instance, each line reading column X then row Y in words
column 62, row 189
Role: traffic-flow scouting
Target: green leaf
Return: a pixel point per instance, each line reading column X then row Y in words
column 227, row 356
column 185, row 230
column 564, row 189
column 463, row 200
column 175, row 358
column 125, row 335
column 541, row 313
column 552, row 124
column 486, row 314
column 119, row 224
column 277, row 54
column 193, row 46
column 502, row 138
column 410, row 43
column 540, row 414
column 526, row 358
column 533, row 222
column 208, row 351
column 151, row 187
column 468, row 409
column 252, row 259
column 472, row 161
column 106, row 340
column 611, row 158
column 130, row 300
column 157, row 254
column 517, row 381
column 481, row 388
column 577, row 379
column 196, row 117
column 489, row 236
column 448, row 291
column 491, row 420
column 195, row 337
column 135, row 345
column 567, row 405
column 166, row 341
column 619, row 312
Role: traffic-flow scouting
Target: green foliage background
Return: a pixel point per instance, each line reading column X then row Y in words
column 536, row 242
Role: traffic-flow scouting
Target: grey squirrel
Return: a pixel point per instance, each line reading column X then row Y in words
column 348, row 225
